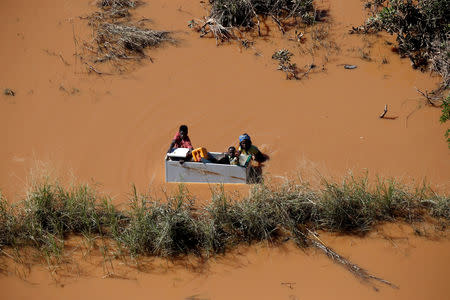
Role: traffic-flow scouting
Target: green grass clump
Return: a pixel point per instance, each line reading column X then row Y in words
column 422, row 30
column 50, row 213
column 349, row 207
column 53, row 209
column 8, row 223
column 162, row 229
column 445, row 116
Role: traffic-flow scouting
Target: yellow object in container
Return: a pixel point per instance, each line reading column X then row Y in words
column 199, row 153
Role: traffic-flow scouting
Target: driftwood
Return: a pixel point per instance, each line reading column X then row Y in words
column 9, row 92
column 383, row 114
column 353, row 268
column 289, row 284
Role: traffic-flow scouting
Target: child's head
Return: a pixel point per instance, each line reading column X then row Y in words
column 232, row 151
column 183, row 131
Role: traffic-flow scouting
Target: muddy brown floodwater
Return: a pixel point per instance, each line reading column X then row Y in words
column 114, row 131
column 419, row 266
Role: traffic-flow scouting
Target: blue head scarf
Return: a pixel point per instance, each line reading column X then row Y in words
column 244, row 137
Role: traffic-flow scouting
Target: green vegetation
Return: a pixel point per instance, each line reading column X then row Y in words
column 249, row 14
column 283, row 56
column 118, row 3
column 422, row 29
column 176, row 227
column 246, row 13
column 446, row 116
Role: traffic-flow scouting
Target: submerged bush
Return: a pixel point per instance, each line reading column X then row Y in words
column 236, row 13
column 117, row 3
column 118, row 36
column 422, row 29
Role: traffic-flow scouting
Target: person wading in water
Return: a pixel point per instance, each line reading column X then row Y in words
column 247, row 148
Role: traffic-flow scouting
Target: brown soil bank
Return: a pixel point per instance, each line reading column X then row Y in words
column 419, row 266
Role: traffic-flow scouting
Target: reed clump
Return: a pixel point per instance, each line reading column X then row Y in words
column 50, row 213
column 162, row 228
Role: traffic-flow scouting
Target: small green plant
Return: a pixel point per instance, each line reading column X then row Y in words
column 446, row 116
column 283, row 56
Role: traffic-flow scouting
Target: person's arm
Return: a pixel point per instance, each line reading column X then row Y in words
column 224, row 160
column 171, row 146
column 260, row 157
column 188, row 143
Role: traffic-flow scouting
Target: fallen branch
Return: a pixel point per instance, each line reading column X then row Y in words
column 353, row 268
column 289, row 284
column 430, row 100
column 384, row 112
column 95, row 70
column 63, row 60
column 278, row 24
column 383, row 115
column 311, row 66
